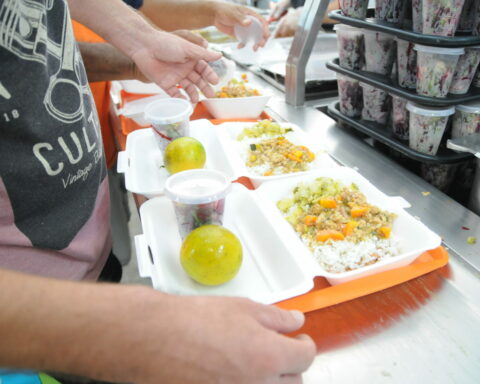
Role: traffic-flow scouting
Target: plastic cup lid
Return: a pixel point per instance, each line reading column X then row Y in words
column 339, row 27
column 438, row 50
column 429, row 111
column 473, row 107
column 197, row 186
column 249, row 33
column 168, row 111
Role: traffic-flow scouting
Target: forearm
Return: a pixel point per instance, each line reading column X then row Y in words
column 179, row 14
column 62, row 326
column 103, row 62
column 113, row 20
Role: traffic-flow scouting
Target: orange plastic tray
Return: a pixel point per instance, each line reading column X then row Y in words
column 323, row 294
column 128, row 125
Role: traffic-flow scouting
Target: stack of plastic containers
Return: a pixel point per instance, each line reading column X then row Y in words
column 407, row 73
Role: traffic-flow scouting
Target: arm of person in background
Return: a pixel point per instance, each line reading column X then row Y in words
column 104, row 62
column 193, row 14
column 136, row 334
column 288, row 24
column 162, row 57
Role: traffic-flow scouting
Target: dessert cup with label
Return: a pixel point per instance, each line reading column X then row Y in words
column 354, row 8
column 350, row 46
column 169, row 118
column 379, row 52
column 350, row 95
column 376, row 104
column 400, row 117
column 426, row 128
column 417, row 18
column 435, row 69
column 406, row 64
column 441, row 18
column 389, row 10
column 466, row 120
column 465, row 71
column 198, row 196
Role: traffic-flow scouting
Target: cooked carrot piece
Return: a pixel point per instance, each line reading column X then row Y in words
column 268, row 173
column 328, row 203
column 329, row 234
column 349, row 227
column 359, row 211
column 310, row 220
column 311, row 156
column 385, row 231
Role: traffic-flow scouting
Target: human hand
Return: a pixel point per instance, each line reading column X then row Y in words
column 288, row 24
column 169, row 60
column 279, row 10
column 226, row 15
column 181, row 339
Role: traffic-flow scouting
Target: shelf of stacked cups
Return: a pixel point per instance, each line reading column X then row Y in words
column 407, row 72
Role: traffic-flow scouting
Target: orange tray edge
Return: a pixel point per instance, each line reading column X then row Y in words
column 335, row 294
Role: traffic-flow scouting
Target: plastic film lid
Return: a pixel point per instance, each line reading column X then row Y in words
column 473, row 107
column 434, row 112
column 339, row 27
column 168, row 111
column 197, row 186
column 439, row 51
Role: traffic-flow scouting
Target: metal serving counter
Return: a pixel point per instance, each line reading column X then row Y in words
column 426, row 330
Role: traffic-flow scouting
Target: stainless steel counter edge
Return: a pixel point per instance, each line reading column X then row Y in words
column 438, row 211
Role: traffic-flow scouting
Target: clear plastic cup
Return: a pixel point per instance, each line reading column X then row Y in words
column 435, row 69
column 249, row 34
column 441, row 18
column 476, row 79
column 466, row 120
column 379, row 52
column 417, row 18
column 376, row 104
column 400, row 117
column 198, row 196
column 441, row 176
column 169, row 118
column 354, row 8
column 350, row 46
column 465, row 71
column 406, row 64
column 225, row 70
column 350, row 95
column 468, row 15
column 389, row 10
column 426, row 128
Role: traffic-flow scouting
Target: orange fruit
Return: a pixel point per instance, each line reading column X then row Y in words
column 184, row 153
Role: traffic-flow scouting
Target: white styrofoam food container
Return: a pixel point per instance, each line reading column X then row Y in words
column 277, row 265
column 237, row 150
column 236, row 107
column 413, row 236
column 142, row 160
column 270, row 271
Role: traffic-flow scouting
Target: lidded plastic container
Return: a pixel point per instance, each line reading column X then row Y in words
column 350, row 46
column 441, row 18
column 406, row 64
column 400, row 117
column 169, row 118
column 435, row 69
column 251, row 33
column 350, row 95
column 389, row 10
column 466, row 120
column 379, row 52
column 376, row 104
column 198, row 196
column 465, row 71
column 427, row 125
column 354, row 8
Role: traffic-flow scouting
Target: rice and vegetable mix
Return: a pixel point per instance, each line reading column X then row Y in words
column 274, row 154
column 343, row 230
column 237, row 88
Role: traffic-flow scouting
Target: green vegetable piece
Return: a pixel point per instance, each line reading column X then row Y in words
column 253, row 147
column 471, row 240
